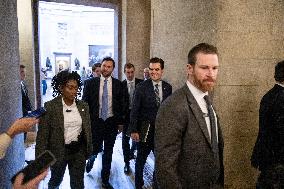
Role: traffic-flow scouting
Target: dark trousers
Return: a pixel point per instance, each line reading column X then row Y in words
column 104, row 132
column 127, row 151
column 76, row 164
column 143, row 150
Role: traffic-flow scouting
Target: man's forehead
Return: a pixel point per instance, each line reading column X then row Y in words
column 107, row 62
column 129, row 69
column 202, row 58
column 154, row 65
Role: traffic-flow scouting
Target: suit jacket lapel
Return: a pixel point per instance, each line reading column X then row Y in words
column 58, row 111
column 151, row 91
column 81, row 110
column 197, row 113
column 164, row 91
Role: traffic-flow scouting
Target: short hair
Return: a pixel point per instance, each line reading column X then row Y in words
column 108, row 58
column 128, row 66
column 203, row 48
column 279, row 72
column 96, row 65
column 158, row 60
column 62, row 78
column 22, row 66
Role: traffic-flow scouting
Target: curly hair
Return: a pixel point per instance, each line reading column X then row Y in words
column 62, row 78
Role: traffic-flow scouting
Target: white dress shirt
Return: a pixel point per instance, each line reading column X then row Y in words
column 72, row 122
column 129, row 83
column 199, row 97
column 280, row 84
column 109, row 89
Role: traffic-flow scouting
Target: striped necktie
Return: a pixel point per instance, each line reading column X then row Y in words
column 158, row 100
column 214, row 141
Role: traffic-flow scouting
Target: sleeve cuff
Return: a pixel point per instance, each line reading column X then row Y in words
column 5, row 141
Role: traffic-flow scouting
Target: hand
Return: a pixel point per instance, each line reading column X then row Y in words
column 120, row 128
column 135, row 137
column 32, row 184
column 21, row 125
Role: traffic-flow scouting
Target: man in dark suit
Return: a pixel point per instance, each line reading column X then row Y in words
column 268, row 151
column 129, row 84
column 147, row 99
column 26, row 103
column 188, row 138
column 104, row 96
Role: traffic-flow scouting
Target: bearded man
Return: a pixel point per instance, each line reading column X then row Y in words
column 188, row 137
column 104, row 97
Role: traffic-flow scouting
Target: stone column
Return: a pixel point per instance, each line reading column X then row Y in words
column 10, row 94
column 136, row 28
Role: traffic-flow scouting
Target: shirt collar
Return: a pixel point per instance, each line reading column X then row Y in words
column 103, row 78
column 198, row 94
column 159, row 83
column 66, row 106
column 280, row 84
column 130, row 81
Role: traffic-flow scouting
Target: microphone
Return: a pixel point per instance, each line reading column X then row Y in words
column 68, row 110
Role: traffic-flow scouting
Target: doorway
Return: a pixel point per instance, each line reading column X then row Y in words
column 73, row 37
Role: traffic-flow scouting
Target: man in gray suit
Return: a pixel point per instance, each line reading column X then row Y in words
column 188, row 137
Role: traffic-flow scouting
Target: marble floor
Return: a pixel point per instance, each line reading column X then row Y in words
column 117, row 178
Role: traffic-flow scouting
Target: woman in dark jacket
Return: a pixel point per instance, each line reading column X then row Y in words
column 65, row 130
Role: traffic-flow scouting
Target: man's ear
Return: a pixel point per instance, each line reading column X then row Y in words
column 189, row 69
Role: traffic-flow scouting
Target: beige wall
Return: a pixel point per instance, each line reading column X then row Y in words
column 177, row 26
column 136, row 33
column 249, row 37
column 24, row 14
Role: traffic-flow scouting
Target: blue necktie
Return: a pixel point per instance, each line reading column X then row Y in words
column 104, row 112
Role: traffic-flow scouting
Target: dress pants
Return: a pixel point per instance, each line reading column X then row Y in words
column 76, row 164
column 127, row 151
column 143, row 150
column 104, row 132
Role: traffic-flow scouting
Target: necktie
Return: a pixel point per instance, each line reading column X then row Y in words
column 158, row 100
column 211, row 115
column 131, row 91
column 24, row 88
column 104, row 112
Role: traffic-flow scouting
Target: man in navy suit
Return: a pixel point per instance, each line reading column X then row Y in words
column 268, row 152
column 129, row 84
column 26, row 103
column 104, row 96
column 147, row 99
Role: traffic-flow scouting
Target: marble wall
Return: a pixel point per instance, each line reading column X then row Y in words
column 10, row 93
column 249, row 37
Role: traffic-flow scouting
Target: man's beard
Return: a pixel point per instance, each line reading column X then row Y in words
column 106, row 74
column 203, row 85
